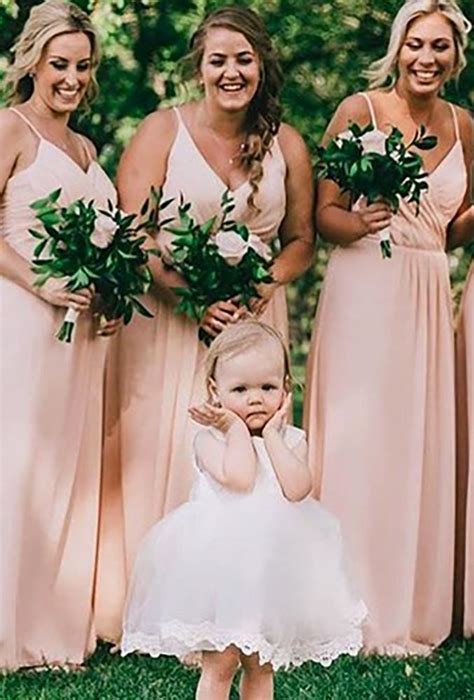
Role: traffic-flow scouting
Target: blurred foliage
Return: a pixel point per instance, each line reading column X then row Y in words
column 324, row 48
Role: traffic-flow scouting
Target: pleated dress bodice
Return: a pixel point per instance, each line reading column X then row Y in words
column 425, row 227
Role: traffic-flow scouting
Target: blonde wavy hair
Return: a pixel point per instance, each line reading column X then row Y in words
column 264, row 113
column 46, row 21
column 241, row 337
column 383, row 72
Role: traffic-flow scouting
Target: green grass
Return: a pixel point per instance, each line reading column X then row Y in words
column 446, row 675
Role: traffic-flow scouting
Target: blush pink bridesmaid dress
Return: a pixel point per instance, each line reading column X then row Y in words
column 465, row 457
column 155, row 373
column 380, row 414
column 51, row 413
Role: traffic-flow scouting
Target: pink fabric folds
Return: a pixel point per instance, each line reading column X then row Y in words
column 154, row 375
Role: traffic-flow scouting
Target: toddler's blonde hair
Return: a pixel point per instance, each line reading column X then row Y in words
column 243, row 336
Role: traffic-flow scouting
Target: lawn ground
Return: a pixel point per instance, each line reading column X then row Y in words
column 447, row 675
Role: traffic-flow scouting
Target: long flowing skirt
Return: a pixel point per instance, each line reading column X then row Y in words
column 379, row 414
column 465, row 462
column 51, row 405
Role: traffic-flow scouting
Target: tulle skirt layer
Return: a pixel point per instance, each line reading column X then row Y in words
column 279, row 589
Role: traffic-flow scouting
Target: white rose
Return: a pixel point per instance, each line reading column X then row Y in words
column 263, row 249
column 231, row 246
column 372, row 141
column 104, row 231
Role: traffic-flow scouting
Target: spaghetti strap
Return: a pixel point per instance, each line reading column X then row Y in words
column 371, row 109
column 455, row 120
column 27, row 121
column 178, row 116
column 89, row 157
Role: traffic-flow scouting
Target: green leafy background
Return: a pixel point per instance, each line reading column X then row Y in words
column 324, row 47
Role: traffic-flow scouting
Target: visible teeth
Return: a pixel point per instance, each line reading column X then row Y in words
column 231, row 88
column 425, row 74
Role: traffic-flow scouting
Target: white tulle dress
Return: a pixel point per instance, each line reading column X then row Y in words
column 253, row 570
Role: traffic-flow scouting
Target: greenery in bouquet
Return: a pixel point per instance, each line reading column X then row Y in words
column 219, row 259
column 377, row 168
column 99, row 248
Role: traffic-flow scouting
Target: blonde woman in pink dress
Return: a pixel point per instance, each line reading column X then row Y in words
column 50, row 392
column 231, row 139
column 380, row 402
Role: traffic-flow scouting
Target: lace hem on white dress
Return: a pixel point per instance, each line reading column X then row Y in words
column 179, row 639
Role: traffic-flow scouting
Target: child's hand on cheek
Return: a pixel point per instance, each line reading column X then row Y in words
column 279, row 419
column 215, row 416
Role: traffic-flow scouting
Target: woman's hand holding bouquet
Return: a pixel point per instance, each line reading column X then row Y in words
column 223, row 265
column 90, row 252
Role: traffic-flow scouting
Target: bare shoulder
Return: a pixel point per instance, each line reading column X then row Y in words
column 289, row 137
column 352, row 108
column 466, row 124
column 158, row 127
column 466, row 132
column 12, row 128
column 14, row 136
column 292, row 144
column 145, row 157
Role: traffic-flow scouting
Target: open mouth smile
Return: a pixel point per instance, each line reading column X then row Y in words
column 67, row 93
column 425, row 74
column 232, row 87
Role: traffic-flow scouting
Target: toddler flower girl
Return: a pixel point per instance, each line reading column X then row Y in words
column 251, row 569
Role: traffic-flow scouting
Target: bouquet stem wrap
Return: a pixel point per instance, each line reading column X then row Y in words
column 66, row 331
column 385, row 243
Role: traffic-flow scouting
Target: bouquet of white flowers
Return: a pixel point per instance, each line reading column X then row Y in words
column 377, row 168
column 219, row 259
column 94, row 247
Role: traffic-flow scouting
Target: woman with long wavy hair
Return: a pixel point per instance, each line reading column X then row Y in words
column 50, row 393
column 232, row 139
column 380, row 392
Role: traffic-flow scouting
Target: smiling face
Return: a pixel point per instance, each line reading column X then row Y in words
column 63, row 73
column 252, row 384
column 428, row 54
column 230, row 69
